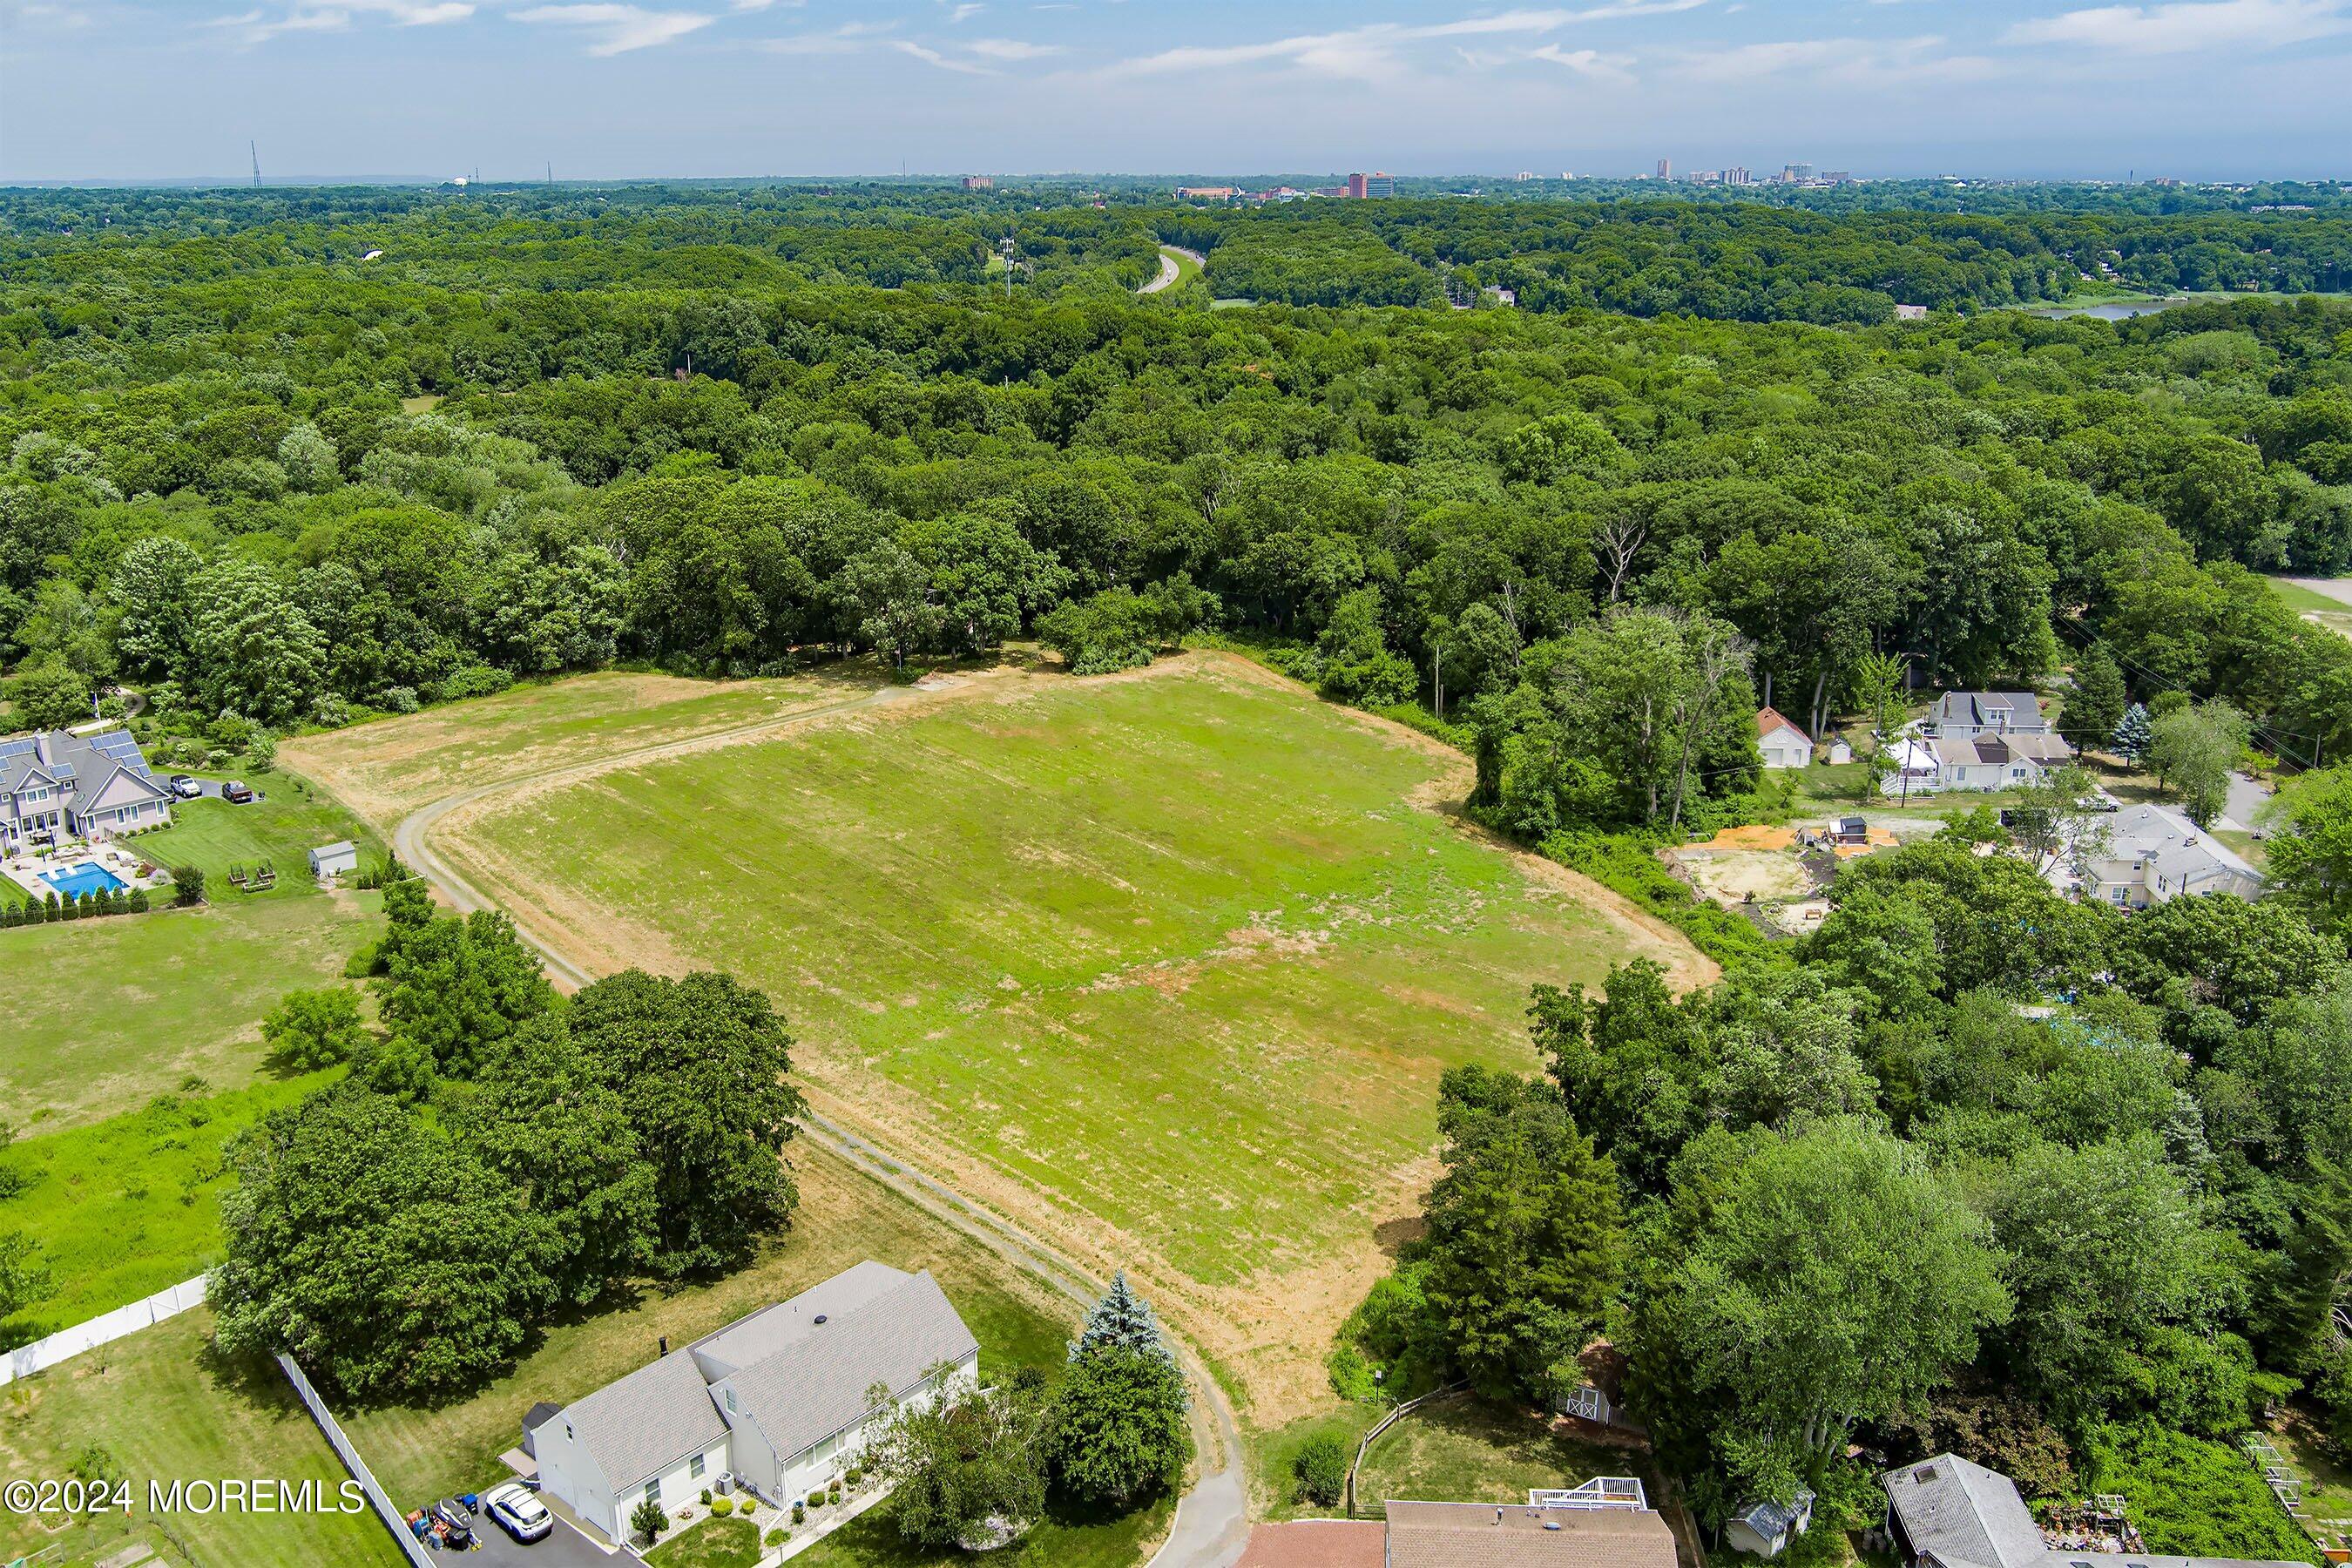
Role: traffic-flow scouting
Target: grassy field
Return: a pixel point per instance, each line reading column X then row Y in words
column 713, row 1544
column 127, row 1206
column 1165, row 966
column 164, row 1407
column 102, row 1016
column 844, row 1217
column 1466, row 1450
column 870, row 1542
column 2330, row 609
column 390, row 767
column 281, row 827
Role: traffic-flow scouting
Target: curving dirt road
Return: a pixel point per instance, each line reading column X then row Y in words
column 1211, row 1524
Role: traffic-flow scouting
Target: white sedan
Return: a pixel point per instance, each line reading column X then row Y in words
column 519, row 1511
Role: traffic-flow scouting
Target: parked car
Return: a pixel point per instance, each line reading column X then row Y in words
column 184, row 787
column 235, row 792
column 518, row 1512
column 453, row 1524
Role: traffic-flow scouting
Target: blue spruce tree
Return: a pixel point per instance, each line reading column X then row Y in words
column 1122, row 1318
column 2134, row 735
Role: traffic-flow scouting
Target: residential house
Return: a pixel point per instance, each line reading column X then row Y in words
column 2153, row 855
column 1949, row 1512
column 777, row 1401
column 1765, row 1529
column 1965, row 715
column 1604, row 1523
column 1784, row 745
column 56, row 785
column 1990, row 759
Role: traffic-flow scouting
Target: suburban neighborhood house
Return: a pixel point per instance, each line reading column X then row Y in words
column 776, row 1401
column 1784, row 745
column 2153, row 854
column 1604, row 1523
column 1979, row 739
column 1948, row 1512
column 56, row 785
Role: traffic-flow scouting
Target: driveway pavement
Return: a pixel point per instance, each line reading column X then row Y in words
column 564, row 1548
column 2246, row 797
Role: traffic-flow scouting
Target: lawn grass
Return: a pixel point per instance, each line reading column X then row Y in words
column 2326, row 1476
column 102, row 1016
column 844, row 1218
column 1463, row 1450
column 390, row 766
column 287, row 820
column 712, row 1543
column 2333, row 611
column 166, row 1407
column 1273, row 1484
column 1167, row 966
column 127, row 1206
column 871, row 1541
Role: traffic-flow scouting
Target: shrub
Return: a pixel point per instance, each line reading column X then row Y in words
column 721, row 1507
column 1321, row 1470
column 777, row 1536
column 855, row 1475
column 140, row 902
column 799, row 1513
column 706, row 1497
column 747, row 1504
column 187, row 885
column 649, row 1521
column 314, row 1029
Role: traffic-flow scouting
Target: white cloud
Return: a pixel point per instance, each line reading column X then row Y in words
column 931, row 56
column 259, row 27
column 2189, row 26
column 1012, row 48
column 1376, row 51
column 615, row 29
column 965, row 12
column 847, row 38
column 1864, row 63
column 1587, row 62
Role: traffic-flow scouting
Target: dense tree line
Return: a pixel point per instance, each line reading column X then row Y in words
column 1983, row 1169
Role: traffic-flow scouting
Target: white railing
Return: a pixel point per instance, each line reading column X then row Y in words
column 104, row 1329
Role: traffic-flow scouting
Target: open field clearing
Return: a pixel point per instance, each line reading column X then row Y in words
column 844, row 1218
column 126, row 1207
column 103, row 1015
column 1163, row 966
column 2323, row 601
column 390, row 767
column 164, row 1407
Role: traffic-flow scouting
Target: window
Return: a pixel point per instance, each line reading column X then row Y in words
column 694, row 1468
column 731, row 1399
column 653, row 1491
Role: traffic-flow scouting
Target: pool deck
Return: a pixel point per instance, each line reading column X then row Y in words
column 121, row 861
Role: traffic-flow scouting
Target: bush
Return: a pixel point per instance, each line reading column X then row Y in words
column 721, row 1507
column 777, row 1536
column 314, row 1029
column 747, row 1505
column 856, row 1474
column 187, row 885
column 800, row 1512
column 1321, row 1470
column 649, row 1521
column 2191, row 1498
column 706, row 1497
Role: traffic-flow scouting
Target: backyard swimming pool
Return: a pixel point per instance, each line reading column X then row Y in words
column 80, row 881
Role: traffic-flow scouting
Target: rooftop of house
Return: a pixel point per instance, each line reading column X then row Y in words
column 1999, row 750
column 1769, row 720
column 799, row 1370
column 2176, row 847
column 1987, row 710
column 1489, row 1535
column 84, row 760
column 1317, row 1543
column 1963, row 1515
column 1768, row 1518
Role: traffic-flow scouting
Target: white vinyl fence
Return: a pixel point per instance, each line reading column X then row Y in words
column 104, row 1329
column 385, row 1510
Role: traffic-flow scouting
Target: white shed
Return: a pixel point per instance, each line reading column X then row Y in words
column 1784, row 745
column 334, row 860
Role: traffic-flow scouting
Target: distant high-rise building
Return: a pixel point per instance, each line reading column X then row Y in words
column 1665, row 168
column 1735, row 175
column 979, row 183
column 1366, row 188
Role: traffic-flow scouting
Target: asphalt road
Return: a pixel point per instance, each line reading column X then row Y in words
column 1169, row 270
column 1211, row 1525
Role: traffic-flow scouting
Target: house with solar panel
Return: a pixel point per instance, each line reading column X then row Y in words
column 57, row 786
column 775, row 1403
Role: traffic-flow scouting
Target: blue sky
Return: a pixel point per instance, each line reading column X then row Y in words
column 618, row 89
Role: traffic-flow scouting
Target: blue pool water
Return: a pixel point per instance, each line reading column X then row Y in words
column 81, row 880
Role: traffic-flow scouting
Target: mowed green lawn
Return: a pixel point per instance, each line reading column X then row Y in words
column 390, row 766
column 280, row 829
column 164, row 1407
column 129, row 1206
column 104, row 1014
column 1179, row 952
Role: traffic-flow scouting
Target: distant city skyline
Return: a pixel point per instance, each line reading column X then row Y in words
column 124, row 91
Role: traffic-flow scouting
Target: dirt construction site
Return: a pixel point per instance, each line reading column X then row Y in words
column 1777, row 876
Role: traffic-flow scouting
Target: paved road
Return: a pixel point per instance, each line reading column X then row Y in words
column 2246, row 797
column 1212, row 1526
column 1168, row 269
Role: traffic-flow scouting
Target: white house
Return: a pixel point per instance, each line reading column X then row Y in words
column 1784, row 745
column 777, row 1400
column 1964, row 715
column 2153, row 855
column 1996, row 760
column 56, row 785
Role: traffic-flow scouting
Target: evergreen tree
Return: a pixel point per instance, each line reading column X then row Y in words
column 1122, row 1318
column 2096, row 706
column 2135, row 733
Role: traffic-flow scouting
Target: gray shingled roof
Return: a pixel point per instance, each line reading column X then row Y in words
column 773, row 1329
column 646, row 1422
column 2180, row 848
column 1965, row 1515
column 1970, row 707
column 812, row 1384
